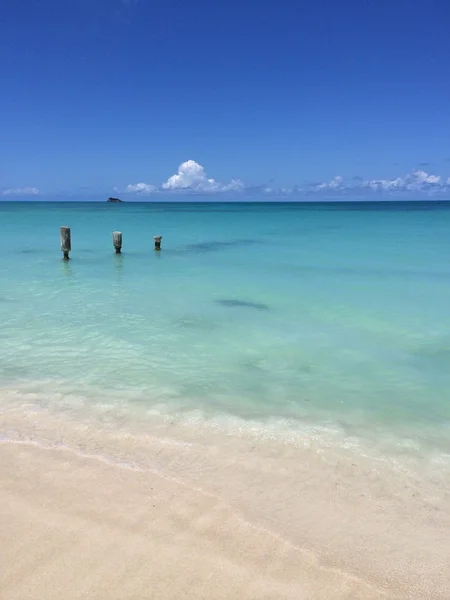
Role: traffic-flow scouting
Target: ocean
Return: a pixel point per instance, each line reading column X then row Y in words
column 325, row 317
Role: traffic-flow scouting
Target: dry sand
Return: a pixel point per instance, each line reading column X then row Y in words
column 211, row 522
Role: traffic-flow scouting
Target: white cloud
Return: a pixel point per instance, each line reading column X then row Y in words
column 417, row 181
column 141, row 188
column 337, row 183
column 425, row 178
column 191, row 176
column 25, row 191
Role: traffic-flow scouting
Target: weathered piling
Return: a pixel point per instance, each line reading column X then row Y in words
column 66, row 246
column 117, row 241
column 157, row 239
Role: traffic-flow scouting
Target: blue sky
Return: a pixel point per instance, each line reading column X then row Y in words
column 163, row 98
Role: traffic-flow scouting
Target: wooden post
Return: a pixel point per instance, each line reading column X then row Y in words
column 157, row 239
column 65, row 242
column 117, row 241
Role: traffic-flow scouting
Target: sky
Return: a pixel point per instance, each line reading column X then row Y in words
column 163, row 99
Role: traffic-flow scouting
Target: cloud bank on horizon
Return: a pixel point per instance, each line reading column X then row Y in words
column 20, row 191
column 191, row 178
column 415, row 181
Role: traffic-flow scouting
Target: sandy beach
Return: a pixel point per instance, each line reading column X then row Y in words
column 210, row 523
column 74, row 529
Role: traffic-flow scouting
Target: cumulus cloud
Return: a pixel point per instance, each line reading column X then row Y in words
column 337, row 183
column 141, row 188
column 191, row 177
column 21, row 191
column 417, row 181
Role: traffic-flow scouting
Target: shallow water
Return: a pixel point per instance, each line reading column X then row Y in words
column 333, row 317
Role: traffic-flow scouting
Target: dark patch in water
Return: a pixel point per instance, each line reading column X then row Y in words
column 216, row 246
column 242, row 304
column 252, row 365
column 29, row 251
column 434, row 355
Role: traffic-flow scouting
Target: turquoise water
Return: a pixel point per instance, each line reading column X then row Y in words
column 329, row 315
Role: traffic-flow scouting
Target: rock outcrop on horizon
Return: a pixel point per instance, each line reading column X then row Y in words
column 114, row 200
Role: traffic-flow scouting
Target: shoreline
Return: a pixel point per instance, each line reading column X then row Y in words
column 320, row 523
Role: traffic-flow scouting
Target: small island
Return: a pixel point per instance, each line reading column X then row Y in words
column 114, row 200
